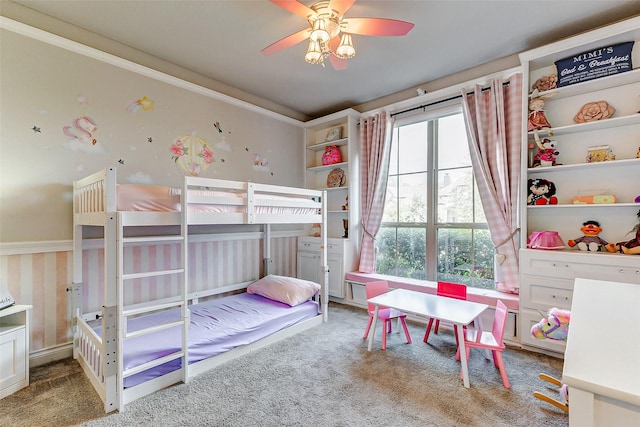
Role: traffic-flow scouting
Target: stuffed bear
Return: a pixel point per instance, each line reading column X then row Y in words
column 541, row 192
column 590, row 241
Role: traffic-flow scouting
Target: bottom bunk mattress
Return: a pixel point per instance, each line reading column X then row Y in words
column 216, row 326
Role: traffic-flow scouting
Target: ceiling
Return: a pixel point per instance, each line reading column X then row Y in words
column 223, row 39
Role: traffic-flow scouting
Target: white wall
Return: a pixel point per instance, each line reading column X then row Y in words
column 48, row 87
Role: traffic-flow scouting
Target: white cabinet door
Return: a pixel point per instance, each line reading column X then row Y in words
column 336, row 276
column 309, row 266
column 12, row 360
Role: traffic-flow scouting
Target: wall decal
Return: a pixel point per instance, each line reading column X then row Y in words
column 217, row 126
column 139, row 178
column 36, row 129
column 83, row 129
column 121, row 161
column 145, row 103
column 149, row 139
column 191, row 154
column 260, row 164
column 223, row 145
column 83, row 100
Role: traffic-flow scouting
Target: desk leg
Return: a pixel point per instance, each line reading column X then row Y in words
column 463, row 356
column 372, row 332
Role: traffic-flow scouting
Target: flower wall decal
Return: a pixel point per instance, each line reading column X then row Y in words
column 191, row 154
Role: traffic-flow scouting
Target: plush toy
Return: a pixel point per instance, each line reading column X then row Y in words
column 547, row 153
column 315, row 230
column 590, row 241
column 554, row 327
column 537, row 119
column 630, row 247
column 331, row 155
column 541, row 192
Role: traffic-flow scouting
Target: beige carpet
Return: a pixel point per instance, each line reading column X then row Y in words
column 322, row 377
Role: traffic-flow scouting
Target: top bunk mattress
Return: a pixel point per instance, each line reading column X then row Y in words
column 216, row 326
column 157, row 198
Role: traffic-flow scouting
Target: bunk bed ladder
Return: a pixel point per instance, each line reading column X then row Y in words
column 126, row 312
column 324, row 298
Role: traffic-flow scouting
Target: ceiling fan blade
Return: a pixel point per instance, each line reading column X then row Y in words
column 290, row 40
column 341, row 6
column 377, row 27
column 294, row 6
column 338, row 63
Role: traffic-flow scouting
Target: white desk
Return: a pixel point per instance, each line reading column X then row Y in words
column 601, row 361
column 458, row 312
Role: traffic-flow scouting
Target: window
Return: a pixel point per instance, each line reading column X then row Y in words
column 433, row 225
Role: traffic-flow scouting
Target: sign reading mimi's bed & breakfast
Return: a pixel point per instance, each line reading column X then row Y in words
column 594, row 64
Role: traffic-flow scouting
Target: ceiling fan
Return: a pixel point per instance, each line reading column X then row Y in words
column 329, row 31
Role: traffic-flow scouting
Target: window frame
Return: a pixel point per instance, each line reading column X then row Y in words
column 432, row 226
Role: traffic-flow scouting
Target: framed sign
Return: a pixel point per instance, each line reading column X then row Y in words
column 594, row 64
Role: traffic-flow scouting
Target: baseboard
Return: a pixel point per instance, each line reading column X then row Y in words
column 51, row 354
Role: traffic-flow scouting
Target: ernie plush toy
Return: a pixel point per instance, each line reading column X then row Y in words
column 590, row 241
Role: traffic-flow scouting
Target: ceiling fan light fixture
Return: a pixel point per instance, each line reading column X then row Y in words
column 319, row 32
column 314, row 53
column 330, row 33
column 346, row 50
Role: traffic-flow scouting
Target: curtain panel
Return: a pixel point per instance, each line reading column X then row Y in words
column 375, row 149
column 493, row 117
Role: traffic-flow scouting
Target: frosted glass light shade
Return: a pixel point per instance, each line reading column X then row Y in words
column 345, row 49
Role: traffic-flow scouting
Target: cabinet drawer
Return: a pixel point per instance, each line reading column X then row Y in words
column 305, row 245
column 334, row 249
column 528, row 318
column 314, row 245
column 543, row 293
column 549, row 267
column 563, row 264
column 612, row 273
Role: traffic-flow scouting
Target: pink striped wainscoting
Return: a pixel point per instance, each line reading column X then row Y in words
column 40, row 276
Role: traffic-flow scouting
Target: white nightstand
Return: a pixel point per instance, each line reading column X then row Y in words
column 14, row 349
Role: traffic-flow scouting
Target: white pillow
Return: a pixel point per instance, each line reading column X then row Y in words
column 287, row 290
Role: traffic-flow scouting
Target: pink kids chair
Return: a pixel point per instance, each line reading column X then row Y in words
column 450, row 290
column 385, row 314
column 489, row 340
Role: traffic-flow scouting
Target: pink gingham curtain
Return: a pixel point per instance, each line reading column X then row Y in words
column 375, row 149
column 493, row 119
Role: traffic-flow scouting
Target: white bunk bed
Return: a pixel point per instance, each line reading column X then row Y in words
column 201, row 201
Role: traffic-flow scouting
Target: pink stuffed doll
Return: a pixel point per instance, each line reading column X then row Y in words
column 630, row 247
column 537, row 119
